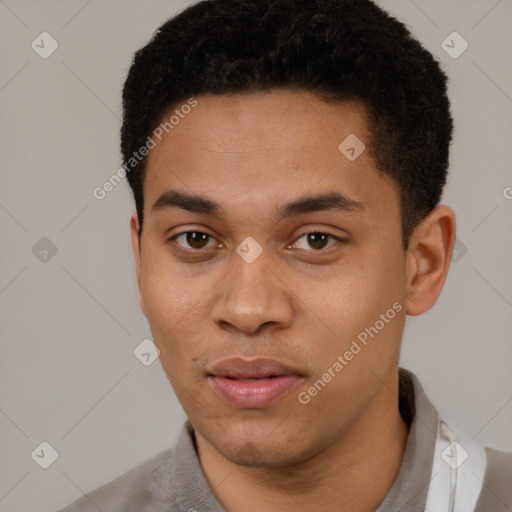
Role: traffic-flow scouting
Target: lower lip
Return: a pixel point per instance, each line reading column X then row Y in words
column 255, row 394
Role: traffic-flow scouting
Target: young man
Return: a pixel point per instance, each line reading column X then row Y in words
column 287, row 160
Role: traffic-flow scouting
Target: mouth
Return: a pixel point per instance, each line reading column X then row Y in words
column 253, row 383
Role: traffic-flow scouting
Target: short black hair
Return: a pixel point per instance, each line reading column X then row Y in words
column 339, row 49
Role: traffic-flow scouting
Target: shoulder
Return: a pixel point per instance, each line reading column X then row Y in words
column 171, row 481
column 496, row 492
column 146, row 487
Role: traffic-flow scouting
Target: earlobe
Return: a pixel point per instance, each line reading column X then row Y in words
column 428, row 259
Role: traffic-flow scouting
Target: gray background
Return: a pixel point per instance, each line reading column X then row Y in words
column 69, row 324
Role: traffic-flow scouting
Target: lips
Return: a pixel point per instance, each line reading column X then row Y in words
column 253, row 383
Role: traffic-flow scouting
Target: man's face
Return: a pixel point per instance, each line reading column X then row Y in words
column 302, row 302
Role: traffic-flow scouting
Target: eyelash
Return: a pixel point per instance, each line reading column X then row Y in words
column 313, row 232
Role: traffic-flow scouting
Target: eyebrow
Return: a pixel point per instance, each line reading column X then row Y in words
column 306, row 204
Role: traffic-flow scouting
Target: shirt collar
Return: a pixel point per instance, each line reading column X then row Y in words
column 410, row 488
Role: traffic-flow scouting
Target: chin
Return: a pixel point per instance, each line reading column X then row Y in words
column 251, row 454
column 261, row 447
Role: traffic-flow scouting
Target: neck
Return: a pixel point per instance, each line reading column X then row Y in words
column 335, row 479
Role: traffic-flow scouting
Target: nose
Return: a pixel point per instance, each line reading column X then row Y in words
column 253, row 297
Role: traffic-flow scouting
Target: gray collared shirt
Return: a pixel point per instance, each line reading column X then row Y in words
column 173, row 480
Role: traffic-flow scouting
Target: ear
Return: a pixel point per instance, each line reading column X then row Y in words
column 428, row 259
column 136, row 248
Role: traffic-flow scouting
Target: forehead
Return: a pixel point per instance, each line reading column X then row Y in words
column 265, row 147
column 243, row 122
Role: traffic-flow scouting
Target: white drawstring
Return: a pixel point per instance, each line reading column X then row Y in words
column 447, row 434
column 456, row 479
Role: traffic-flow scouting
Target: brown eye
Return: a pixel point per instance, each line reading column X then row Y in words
column 316, row 240
column 193, row 239
column 197, row 240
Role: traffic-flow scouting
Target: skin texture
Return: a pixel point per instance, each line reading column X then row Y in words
column 297, row 302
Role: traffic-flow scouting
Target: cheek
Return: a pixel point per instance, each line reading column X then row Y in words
column 356, row 354
column 360, row 301
column 174, row 306
column 168, row 293
column 352, row 297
